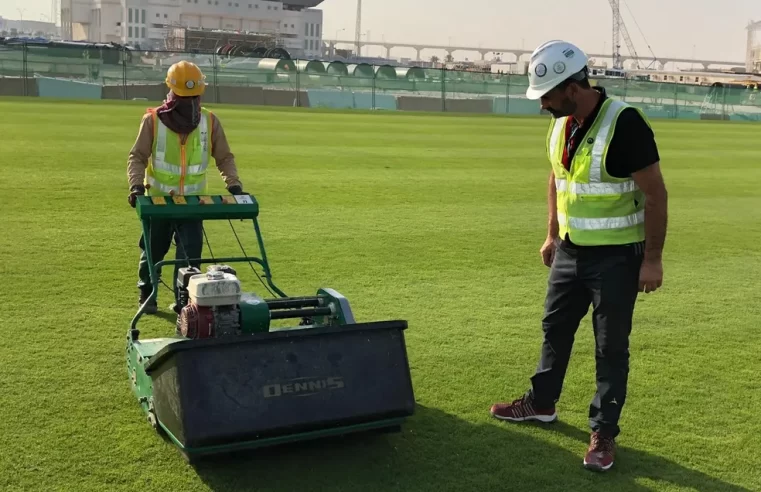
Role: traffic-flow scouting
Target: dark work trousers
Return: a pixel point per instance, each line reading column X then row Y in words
column 607, row 277
column 188, row 236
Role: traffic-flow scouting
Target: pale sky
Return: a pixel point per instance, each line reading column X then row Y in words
column 679, row 28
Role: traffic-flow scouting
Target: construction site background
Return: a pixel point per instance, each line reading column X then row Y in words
column 98, row 73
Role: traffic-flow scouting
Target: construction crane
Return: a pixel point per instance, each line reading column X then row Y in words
column 619, row 28
column 358, row 28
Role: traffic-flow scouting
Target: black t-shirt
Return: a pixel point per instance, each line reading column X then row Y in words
column 633, row 147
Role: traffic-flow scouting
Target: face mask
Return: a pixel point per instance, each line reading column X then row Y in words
column 188, row 108
column 181, row 114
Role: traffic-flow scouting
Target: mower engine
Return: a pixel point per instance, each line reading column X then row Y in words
column 211, row 300
column 212, row 305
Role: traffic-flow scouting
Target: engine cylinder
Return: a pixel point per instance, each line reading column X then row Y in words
column 206, row 322
column 196, row 321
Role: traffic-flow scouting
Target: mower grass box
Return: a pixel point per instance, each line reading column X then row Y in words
column 216, row 392
column 229, row 380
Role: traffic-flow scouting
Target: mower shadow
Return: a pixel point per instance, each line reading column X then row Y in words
column 437, row 451
column 168, row 316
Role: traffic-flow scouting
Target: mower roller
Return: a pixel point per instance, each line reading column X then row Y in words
column 228, row 379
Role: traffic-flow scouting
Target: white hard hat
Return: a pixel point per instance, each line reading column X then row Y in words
column 552, row 63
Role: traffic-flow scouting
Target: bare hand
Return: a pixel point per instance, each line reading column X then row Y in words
column 548, row 251
column 650, row 276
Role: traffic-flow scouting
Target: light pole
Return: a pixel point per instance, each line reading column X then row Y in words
column 335, row 41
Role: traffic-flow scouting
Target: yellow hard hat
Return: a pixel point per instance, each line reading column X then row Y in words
column 186, row 79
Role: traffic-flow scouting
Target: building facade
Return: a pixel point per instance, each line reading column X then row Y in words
column 28, row 27
column 145, row 23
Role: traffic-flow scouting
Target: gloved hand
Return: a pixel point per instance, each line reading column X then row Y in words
column 133, row 193
column 236, row 190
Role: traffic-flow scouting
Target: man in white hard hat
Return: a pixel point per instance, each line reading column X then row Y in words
column 606, row 231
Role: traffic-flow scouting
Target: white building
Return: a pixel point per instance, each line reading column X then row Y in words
column 27, row 27
column 146, row 22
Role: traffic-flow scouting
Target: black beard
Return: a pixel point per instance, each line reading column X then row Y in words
column 567, row 109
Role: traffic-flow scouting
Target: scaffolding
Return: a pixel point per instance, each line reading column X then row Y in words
column 185, row 39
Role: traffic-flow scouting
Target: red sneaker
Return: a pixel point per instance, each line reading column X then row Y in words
column 521, row 410
column 601, row 452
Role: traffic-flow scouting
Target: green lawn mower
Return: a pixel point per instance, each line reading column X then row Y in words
column 228, row 379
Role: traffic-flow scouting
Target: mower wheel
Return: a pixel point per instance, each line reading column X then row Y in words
column 191, row 460
column 153, row 421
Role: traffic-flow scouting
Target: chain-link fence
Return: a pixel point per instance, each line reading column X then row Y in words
column 100, row 73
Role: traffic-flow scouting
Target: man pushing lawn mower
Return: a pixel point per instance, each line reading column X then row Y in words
column 170, row 157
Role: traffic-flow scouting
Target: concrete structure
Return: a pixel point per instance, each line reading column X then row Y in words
column 753, row 49
column 28, row 27
column 695, row 77
column 661, row 62
column 146, row 22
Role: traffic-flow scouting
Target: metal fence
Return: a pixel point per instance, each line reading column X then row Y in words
column 96, row 73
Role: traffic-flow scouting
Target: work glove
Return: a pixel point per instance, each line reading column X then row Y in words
column 133, row 194
column 236, row 190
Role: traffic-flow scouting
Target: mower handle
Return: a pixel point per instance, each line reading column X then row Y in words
column 214, row 207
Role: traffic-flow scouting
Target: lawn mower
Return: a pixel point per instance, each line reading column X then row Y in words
column 229, row 379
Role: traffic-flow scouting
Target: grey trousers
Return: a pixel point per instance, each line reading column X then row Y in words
column 607, row 278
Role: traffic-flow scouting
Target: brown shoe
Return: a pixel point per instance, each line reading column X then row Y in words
column 601, row 453
column 523, row 409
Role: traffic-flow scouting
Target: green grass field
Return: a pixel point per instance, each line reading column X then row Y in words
column 430, row 218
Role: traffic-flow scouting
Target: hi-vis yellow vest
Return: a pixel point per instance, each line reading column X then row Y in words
column 593, row 207
column 176, row 167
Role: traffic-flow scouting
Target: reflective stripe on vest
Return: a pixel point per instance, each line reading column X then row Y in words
column 188, row 189
column 600, row 224
column 596, row 188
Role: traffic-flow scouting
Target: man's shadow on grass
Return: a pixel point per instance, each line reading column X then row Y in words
column 437, row 451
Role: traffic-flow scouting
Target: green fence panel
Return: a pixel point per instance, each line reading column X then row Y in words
column 118, row 73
